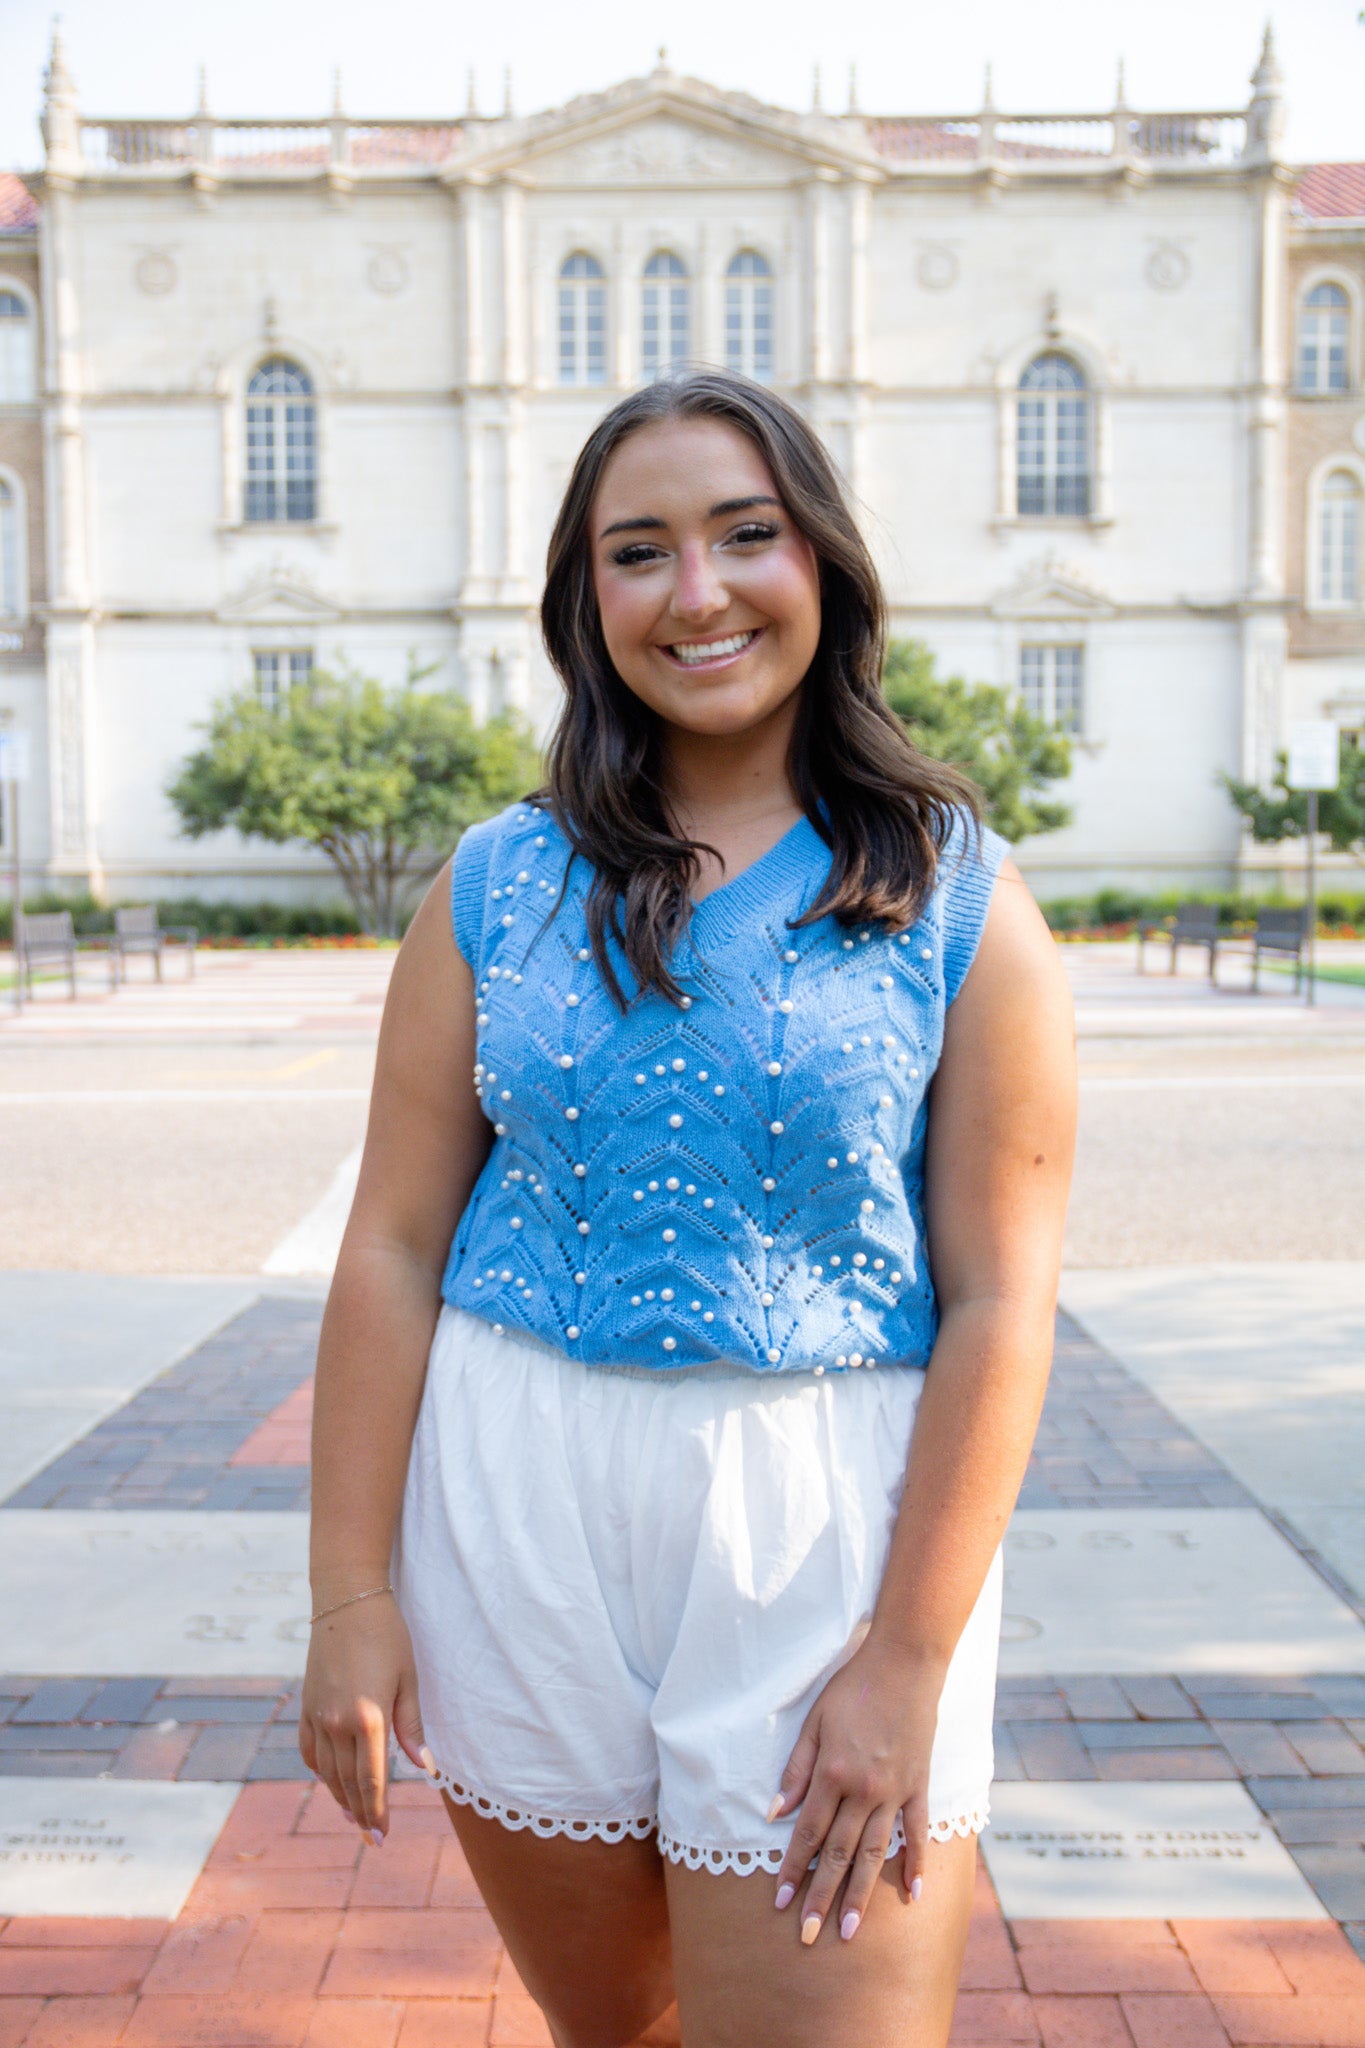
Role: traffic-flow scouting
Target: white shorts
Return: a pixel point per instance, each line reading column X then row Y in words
column 625, row 1589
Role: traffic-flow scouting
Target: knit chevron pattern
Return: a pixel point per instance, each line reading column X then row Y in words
column 737, row 1183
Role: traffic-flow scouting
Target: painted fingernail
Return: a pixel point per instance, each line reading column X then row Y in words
column 916, row 1887
column 785, row 1894
column 848, row 1926
column 376, row 1838
column 810, row 1927
column 427, row 1761
column 776, row 1806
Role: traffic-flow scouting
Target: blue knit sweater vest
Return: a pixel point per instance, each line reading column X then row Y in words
column 740, row 1181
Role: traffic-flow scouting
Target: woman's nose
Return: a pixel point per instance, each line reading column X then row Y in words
column 698, row 591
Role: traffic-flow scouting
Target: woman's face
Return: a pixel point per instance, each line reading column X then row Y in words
column 709, row 595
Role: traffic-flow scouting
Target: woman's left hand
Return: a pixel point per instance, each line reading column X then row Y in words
column 861, row 1758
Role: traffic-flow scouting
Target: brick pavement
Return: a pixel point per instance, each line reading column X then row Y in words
column 227, row 1428
column 180, row 1442
column 300, row 1935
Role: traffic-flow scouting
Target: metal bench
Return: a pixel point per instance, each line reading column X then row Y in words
column 1283, row 933
column 49, row 940
column 137, row 930
column 1196, row 924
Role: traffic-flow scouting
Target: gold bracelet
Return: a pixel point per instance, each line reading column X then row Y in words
column 350, row 1599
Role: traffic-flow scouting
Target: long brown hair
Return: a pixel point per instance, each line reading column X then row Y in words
column 889, row 807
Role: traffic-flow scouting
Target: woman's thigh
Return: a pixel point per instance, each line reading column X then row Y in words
column 744, row 1977
column 586, row 1924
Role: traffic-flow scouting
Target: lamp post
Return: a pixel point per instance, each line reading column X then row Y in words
column 1314, row 765
column 14, row 770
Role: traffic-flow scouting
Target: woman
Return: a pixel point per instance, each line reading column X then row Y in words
column 685, row 1347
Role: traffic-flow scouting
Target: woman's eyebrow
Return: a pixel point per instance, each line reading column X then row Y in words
column 629, row 525
column 728, row 505
column 721, row 511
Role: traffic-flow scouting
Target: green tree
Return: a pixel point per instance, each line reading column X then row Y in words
column 1009, row 754
column 381, row 781
column 1282, row 813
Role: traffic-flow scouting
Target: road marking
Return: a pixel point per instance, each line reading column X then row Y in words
column 305, row 1065
column 11, row 1097
column 1207, row 1081
column 311, row 1247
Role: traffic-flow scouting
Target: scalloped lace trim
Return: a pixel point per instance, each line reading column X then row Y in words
column 696, row 1856
column 744, row 1861
column 516, row 1817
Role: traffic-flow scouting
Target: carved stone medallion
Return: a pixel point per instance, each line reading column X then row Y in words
column 387, row 272
column 1167, row 267
column 155, row 273
column 936, row 267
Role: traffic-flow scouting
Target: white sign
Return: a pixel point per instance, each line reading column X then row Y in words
column 111, row 1848
column 1156, row 1851
column 1314, row 760
column 203, row 1594
column 14, row 757
column 1164, row 1589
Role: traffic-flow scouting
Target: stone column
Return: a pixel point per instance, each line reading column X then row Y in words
column 512, row 201
column 70, row 631
column 475, row 353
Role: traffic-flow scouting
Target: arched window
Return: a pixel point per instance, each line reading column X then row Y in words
column 281, row 443
column 1324, row 336
column 16, row 350
column 1053, row 439
column 749, row 316
column 582, row 321
column 1337, row 577
column 666, row 315
column 12, row 594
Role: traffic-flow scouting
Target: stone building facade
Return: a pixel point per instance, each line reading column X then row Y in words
column 312, row 391
column 23, row 554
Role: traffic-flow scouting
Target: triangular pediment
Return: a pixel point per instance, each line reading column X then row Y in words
column 280, row 597
column 1049, row 590
column 670, row 131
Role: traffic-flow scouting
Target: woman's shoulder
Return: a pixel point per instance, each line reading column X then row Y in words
column 492, row 852
column 968, row 864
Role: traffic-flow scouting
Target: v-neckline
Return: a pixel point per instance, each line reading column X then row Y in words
column 787, row 857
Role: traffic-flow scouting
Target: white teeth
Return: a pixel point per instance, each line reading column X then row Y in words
column 711, row 650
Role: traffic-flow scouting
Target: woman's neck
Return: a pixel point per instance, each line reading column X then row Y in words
column 734, row 780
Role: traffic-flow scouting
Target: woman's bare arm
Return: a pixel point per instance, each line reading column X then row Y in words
column 1002, row 1124
column 998, row 1169
column 426, row 1142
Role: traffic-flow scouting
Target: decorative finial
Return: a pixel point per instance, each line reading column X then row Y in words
column 471, row 104
column 61, row 129
column 815, row 91
column 336, row 90
column 57, row 81
column 507, row 92
column 203, row 105
column 986, row 97
column 1120, row 88
column 852, row 88
column 1267, row 78
column 661, row 63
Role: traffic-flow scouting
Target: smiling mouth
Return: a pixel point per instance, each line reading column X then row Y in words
column 703, row 653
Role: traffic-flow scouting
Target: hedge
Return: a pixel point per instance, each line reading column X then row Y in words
column 1118, row 910
column 214, row 920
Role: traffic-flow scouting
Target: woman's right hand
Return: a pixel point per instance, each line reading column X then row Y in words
column 360, row 1680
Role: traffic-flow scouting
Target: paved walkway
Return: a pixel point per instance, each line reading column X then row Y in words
column 1177, row 1851
column 289, row 1932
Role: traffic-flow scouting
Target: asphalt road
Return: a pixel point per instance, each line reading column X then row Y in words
column 189, row 1130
